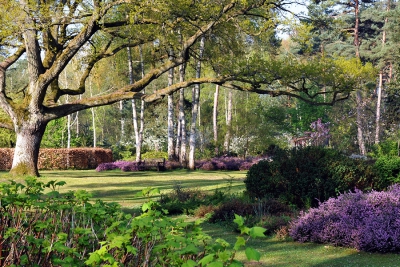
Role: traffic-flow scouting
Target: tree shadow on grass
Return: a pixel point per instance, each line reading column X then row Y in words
column 278, row 253
column 128, row 190
column 118, row 173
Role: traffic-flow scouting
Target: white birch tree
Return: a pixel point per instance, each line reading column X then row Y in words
column 195, row 108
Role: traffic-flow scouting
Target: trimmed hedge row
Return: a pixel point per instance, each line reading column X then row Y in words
column 62, row 158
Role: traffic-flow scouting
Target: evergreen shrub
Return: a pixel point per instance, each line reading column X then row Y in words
column 364, row 221
column 305, row 176
column 388, row 170
column 270, row 214
column 187, row 200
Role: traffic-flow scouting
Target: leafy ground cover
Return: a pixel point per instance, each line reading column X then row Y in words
column 122, row 186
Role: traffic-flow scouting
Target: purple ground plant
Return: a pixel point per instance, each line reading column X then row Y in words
column 106, row 166
column 365, row 221
column 122, row 165
column 227, row 163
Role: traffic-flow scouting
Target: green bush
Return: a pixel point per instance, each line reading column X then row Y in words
column 388, row 170
column 351, row 173
column 303, row 177
column 265, row 179
column 186, row 200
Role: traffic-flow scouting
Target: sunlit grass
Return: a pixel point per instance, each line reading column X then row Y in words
column 121, row 187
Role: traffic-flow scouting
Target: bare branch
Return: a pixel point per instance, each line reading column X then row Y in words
column 12, row 59
column 6, row 125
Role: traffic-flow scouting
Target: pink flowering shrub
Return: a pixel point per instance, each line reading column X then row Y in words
column 220, row 163
column 106, row 166
column 227, row 163
column 364, row 221
column 122, row 165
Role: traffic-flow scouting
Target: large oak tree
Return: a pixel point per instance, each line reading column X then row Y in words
column 50, row 34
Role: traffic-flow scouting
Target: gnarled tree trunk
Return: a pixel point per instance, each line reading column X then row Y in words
column 26, row 153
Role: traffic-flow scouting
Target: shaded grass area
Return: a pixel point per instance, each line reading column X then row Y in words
column 121, row 187
column 279, row 253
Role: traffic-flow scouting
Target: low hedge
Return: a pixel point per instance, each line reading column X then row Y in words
column 62, row 158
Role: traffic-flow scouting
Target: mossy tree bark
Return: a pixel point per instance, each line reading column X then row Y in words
column 26, row 152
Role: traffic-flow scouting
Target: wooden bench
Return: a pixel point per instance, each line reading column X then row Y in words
column 152, row 164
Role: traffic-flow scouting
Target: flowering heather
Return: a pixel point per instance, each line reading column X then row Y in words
column 365, row 221
column 227, row 163
column 122, row 165
column 106, row 166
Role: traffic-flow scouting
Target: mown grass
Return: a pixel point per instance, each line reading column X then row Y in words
column 277, row 253
column 121, row 187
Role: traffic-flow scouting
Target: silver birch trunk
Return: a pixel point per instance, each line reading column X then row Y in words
column 93, row 116
column 182, row 119
column 215, row 121
column 68, row 117
column 138, row 130
column 171, row 148
column 228, row 124
column 122, row 120
column 69, row 131
column 195, row 109
column 380, row 86
column 77, row 119
column 378, row 108
column 360, row 136
column 142, row 106
column 178, row 132
column 94, row 127
column 359, row 100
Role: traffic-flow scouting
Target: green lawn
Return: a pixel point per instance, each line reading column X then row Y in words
column 292, row 254
column 121, row 187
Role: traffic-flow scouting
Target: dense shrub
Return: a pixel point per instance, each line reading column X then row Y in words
column 365, row 221
column 270, row 214
column 388, row 170
column 172, row 165
column 265, row 179
column 187, row 200
column 303, row 177
column 273, row 223
column 227, row 211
